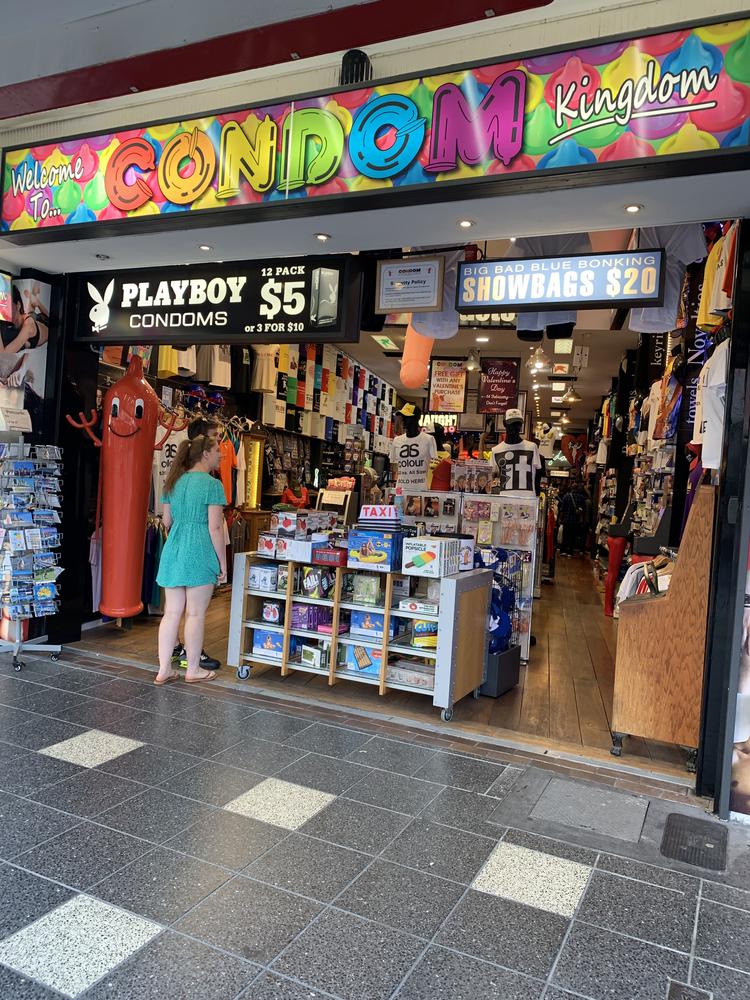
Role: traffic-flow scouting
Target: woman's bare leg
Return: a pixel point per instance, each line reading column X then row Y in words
column 197, row 601
column 174, row 605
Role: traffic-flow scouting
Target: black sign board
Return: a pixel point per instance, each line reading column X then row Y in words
column 290, row 300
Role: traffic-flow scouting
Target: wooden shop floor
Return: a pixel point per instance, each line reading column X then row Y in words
column 562, row 703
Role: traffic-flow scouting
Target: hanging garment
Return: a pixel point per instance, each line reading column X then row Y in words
column 242, row 369
column 670, row 398
column 713, row 405
column 95, row 562
column 144, row 353
column 187, row 361
column 264, row 371
column 683, row 245
column 706, row 318
column 167, row 365
column 563, row 244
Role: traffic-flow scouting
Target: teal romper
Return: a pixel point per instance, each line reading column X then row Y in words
column 189, row 558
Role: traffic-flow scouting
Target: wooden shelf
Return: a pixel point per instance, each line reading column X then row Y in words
column 268, row 626
column 278, row 595
column 429, row 654
column 323, row 601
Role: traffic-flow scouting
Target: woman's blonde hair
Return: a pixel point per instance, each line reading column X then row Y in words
column 189, row 453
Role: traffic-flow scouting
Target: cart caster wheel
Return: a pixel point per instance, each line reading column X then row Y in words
column 55, row 657
column 477, row 694
column 447, row 714
column 243, row 673
column 18, row 665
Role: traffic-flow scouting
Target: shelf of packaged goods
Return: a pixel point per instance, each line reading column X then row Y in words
column 348, row 675
column 422, row 616
column 377, row 609
column 268, row 626
column 278, row 595
column 397, row 686
column 304, row 668
column 270, row 661
column 429, row 654
column 305, row 633
column 347, row 639
column 323, row 601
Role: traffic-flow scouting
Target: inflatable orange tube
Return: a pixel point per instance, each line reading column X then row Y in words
column 415, row 361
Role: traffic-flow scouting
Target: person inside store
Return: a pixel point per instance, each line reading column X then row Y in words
column 199, row 427
column 28, row 330
column 412, row 452
column 194, row 558
column 572, row 518
column 295, row 494
column 441, row 466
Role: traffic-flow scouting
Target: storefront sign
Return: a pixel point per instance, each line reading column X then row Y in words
column 631, row 278
column 6, row 307
column 414, row 284
column 498, row 384
column 447, row 386
column 497, row 321
column 292, row 300
column 671, row 94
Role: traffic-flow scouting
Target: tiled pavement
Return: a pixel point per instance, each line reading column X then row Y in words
column 201, row 845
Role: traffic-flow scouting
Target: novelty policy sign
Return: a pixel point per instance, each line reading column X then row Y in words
column 585, row 281
column 292, row 300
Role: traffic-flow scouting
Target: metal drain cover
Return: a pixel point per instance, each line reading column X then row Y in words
column 695, row 841
column 680, row 991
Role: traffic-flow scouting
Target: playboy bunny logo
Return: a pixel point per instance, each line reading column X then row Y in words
column 99, row 314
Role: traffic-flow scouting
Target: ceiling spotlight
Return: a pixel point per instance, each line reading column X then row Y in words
column 466, row 223
column 571, row 396
column 538, row 361
column 323, row 237
column 102, row 256
column 633, row 209
column 204, row 246
column 564, row 419
column 472, row 362
column 512, row 239
column 483, row 340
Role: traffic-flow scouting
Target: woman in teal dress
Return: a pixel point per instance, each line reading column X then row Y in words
column 194, row 557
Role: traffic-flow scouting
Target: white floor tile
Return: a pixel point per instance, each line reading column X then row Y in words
column 533, row 878
column 76, row 944
column 91, row 749
column 281, row 803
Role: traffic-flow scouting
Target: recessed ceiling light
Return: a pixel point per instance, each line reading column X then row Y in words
column 483, row 340
column 204, row 246
column 466, row 223
column 102, row 256
column 633, row 209
column 323, row 237
column 512, row 239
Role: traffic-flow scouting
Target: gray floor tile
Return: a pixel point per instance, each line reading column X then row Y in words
column 276, row 726
column 24, row 898
column 88, row 793
column 50, row 701
column 13, row 692
column 726, row 894
column 37, row 733
column 150, row 765
column 687, row 884
column 504, row 784
column 121, row 691
column 443, row 975
column 464, row 810
column 219, row 712
column 603, row 965
column 105, row 715
column 661, row 916
column 407, row 900
column 595, row 808
column 162, row 885
column 310, row 867
column 9, row 752
column 171, row 700
column 327, row 774
column 29, row 774
column 549, row 846
column 391, row 755
column 73, row 680
column 260, row 756
column 460, row 772
column 227, row 839
column 84, row 855
column 249, row 919
column 494, row 929
column 25, row 824
column 723, row 936
column 371, row 963
column 355, row 825
column 173, row 967
column 154, row 815
column 726, row 984
column 271, row 987
column 16, row 987
column 394, row 791
column 441, row 850
column 216, row 784
column 335, row 741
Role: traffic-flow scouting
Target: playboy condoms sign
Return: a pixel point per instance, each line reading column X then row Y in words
column 294, row 300
column 676, row 93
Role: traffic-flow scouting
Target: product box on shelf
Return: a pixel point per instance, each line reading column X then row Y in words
column 366, row 589
column 433, row 590
column 309, row 616
column 283, row 578
column 430, row 556
column 317, row 581
column 424, row 634
column 466, row 555
column 290, row 524
column 272, row 612
column 315, row 656
column 296, row 550
column 401, row 586
column 417, row 675
column 377, row 550
column 268, row 643
column 360, row 659
column 267, row 544
column 329, row 556
column 263, row 577
column 370, row 623
column 419, row 605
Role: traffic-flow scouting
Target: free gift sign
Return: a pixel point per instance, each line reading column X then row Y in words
column 669, row 94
